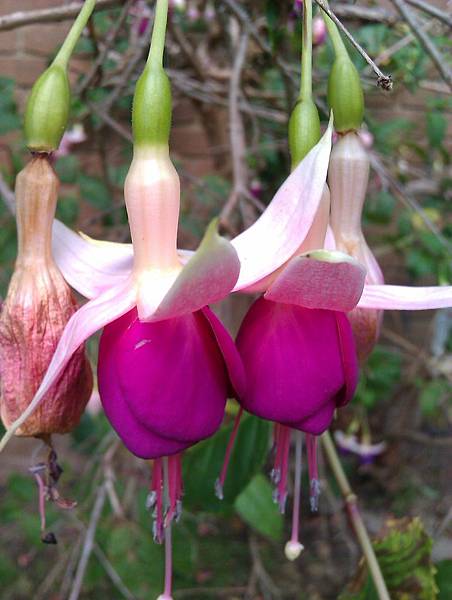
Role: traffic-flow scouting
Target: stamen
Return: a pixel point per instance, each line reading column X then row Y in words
column 281, row 465
column 311, row 444
column 219, row 483
column 156, row 486
column 293, row 548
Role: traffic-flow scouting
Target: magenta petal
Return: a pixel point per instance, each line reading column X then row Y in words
column 318, row 422
column 294, row 360
column 349, row 359
column 230, row 353
column 320, row 279
column 170, row 374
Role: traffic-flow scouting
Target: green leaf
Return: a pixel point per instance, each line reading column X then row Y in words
column 9, row 120
column 436, row 128
column 94, row 190
column 256, row 507
column 202, row 464
column 444, row 579
column 67, row 168
column 67, row 209
column 403, row 553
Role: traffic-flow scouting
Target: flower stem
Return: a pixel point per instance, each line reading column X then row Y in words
column 355, row 516
column 80, row 22
column 155, row 57
column 336, row 38
column 306, row 53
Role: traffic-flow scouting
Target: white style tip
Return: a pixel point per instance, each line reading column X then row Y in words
column 292, row 550
column 164, row 597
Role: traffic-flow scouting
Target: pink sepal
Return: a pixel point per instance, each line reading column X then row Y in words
column 281, row 229
column 401, row 297
column 320, row 279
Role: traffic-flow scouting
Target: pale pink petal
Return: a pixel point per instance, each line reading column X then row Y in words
column 401, row 297
column 90, row 267
column 231, row 355
column 208, row 277
column 320, row 279
column 87, row 320
column 281, row 229
column 330, row 242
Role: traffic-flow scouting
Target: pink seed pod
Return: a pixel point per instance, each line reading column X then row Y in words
column 37, row 307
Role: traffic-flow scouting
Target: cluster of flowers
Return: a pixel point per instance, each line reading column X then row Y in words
column 166, row 363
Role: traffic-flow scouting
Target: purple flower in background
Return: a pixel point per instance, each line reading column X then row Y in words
column 142, row 11
column 366, row 451
column 318, row 31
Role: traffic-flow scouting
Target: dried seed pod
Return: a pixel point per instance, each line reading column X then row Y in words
column 38, row 306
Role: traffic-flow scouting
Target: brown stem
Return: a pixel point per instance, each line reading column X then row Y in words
column 352, row 508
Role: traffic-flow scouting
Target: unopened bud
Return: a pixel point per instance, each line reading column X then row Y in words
column 304, row 130
column 318, row 31
column 47, row 110
column 345, row 95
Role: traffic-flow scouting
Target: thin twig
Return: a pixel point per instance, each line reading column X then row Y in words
column 246, row 22
column 384, row 81
column 436, row 56
column 365, row 13
column 410, row 202
column 355, row 516
column 88, row 543
column 236, row 131
column 434, row 11
column 109, row 40
column 50, row 15
column 7, row 195
column 112, row 573
column 268, row 587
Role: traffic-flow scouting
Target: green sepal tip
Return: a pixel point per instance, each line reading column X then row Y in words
column 151, row 114
column 47, row 110
column 304, row 130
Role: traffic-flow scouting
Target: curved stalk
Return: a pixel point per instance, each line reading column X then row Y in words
column 306, row 53
column 75, row 32
column 158, row 33
column 351, row 502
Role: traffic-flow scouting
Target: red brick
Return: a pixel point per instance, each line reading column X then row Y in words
column 8, row 42
column 42, row 39
column 24, row 69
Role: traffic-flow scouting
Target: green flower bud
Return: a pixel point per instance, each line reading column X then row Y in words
column 151, row 115
column 345, row 94
column 47, row 110
column 304, row 130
